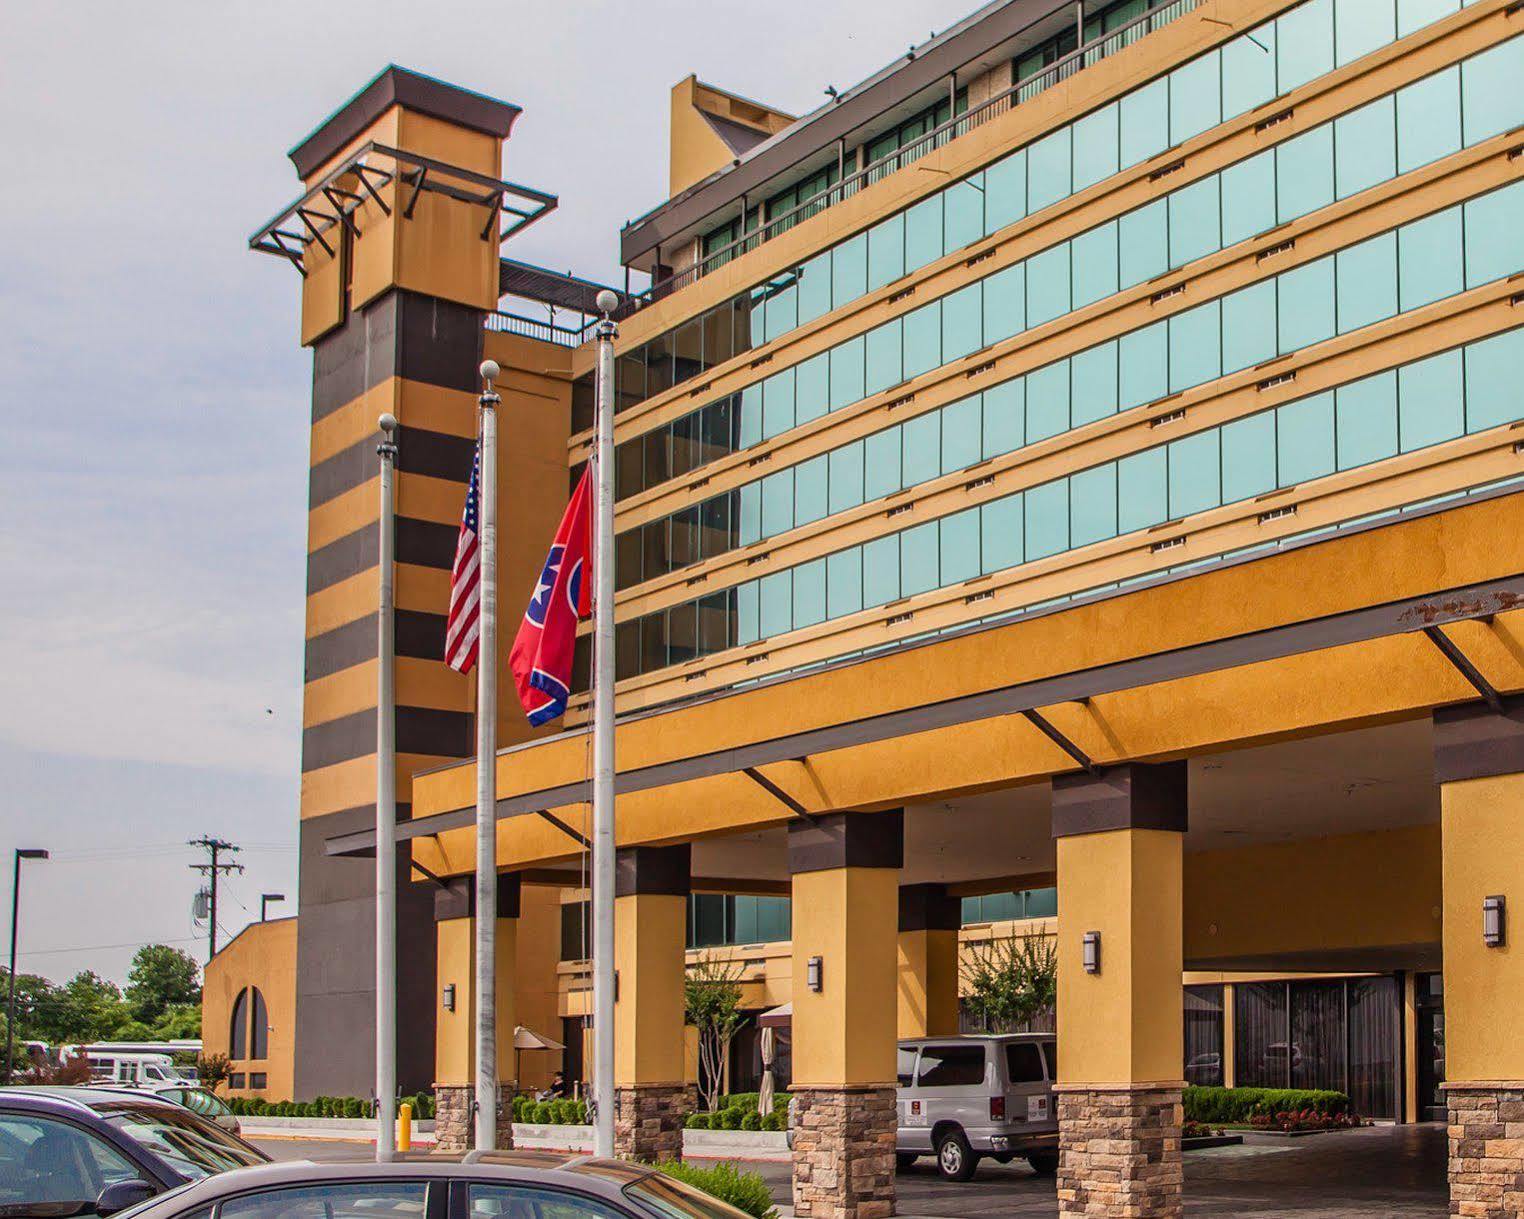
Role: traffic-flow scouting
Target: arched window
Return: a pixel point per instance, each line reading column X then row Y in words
column 238, row 1033
column 259, row 1027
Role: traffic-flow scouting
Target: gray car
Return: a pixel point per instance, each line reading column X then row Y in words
column 485, row 1185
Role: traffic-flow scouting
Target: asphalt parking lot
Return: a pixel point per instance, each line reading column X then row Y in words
column 1380, row 1170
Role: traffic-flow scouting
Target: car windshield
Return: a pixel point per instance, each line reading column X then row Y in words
column 191, row 1146
column 673, row 1199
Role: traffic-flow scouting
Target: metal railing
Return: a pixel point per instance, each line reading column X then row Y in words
column 1055, row 73
column 535, row 328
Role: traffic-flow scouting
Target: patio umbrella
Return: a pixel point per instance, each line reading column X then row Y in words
column 528, row 1039
column 768, row 1043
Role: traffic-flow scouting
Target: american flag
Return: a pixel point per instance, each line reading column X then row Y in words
column 464, row 623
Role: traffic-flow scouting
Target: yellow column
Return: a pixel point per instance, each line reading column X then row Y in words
column 1479, row 762
column 455, row 1026
column 845, row 870
column 1120, row 957
column 928, row 961
column 652, row 1097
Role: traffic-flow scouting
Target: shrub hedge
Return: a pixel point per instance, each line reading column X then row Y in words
column 549, row 1112
column 322, row 1106
column 746, row 1191
column 1216, row 1106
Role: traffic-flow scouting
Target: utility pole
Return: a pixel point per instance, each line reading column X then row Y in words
column 215, row 848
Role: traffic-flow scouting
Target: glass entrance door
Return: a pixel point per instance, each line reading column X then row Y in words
column 1430, row 1014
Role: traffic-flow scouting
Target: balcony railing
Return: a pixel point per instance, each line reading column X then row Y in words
column 535, row 328
column 1060, row 70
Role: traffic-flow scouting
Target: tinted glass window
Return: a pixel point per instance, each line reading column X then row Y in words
column 192, row 1146
column 662, row 1195
column 906, row 1064
column 43, row 1161
column 1023, row 1062
column 951, row 1066
column 338, row 1201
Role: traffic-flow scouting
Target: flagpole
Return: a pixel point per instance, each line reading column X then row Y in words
column 386, row 811
column 603, row 736
column 486, row 777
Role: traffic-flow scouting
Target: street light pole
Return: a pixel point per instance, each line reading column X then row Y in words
column 10, row 1006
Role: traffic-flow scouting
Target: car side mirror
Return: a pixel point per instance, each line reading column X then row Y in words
column 119, row 1195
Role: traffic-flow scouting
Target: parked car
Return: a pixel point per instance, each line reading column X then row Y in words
column 964, row 1098
column 484, row 1185
column 198, row 1100
column 97, row 1151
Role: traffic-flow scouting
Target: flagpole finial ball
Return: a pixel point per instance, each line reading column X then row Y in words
column 387, row 423
column 607, row 300
column 490, row 370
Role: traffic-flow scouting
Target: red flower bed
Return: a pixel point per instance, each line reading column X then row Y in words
column 1303, row 1119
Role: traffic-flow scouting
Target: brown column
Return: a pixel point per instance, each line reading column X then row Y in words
column 1479, row 764
column 652, row 1099
column 455, row 1039
column 845, row 911
column 1119, row 838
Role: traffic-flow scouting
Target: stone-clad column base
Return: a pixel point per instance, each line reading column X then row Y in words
column 844, row 1152
column 1486, row 1148
column 649, row 1119
column 1119, row 1150
column 454, row 1125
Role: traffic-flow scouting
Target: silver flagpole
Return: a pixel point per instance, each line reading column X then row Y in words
column 486, row 777
column 603, row 736
column 386, row 814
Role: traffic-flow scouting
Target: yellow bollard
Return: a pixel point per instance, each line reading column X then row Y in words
column 405, row 1126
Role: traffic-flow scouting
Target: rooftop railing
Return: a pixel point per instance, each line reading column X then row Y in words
column 1060, row 70
column 535, row 328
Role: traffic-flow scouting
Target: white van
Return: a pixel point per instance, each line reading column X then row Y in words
column 131, row 1068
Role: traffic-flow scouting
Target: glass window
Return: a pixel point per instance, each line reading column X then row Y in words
column 881, row 464
column 1260, row 1035
column 1494, row 236
column 1305, row 439
column 48, row 1164
column 846, row 476
column 777, row 503
column 844, row 582
column 1095, row 147
column 1365, row 420
column 1047, row 519
column 1367, row 278
column 886, row 251
column 849, row 270
column 1248, row 197
column 1494, row 388
column 1431, row 402
column 1095, row 264
column 962, row 322
column 810, row 490
column 905, row 1064
column 951, row 1066
column 1415, row 14
column 960, row 434
column 748, row 613
column 1005, row 303
column 1248, row 326
column 512, row 1201
column 881, row 571
column 923, row 232
column 1195, row 473
column 1001, row 534
column 1005, row 191
column 1023, row 1062
column 751, row 417
column 776, row 606
column 342, row 1201
column 1093, row 384
column 1304, row 173
column 1365, row 146
column 1195, row 97
column 1144, row 122
column 1195, row 222
column 1048, row 170
column 1360, row 26
column 1305, row 305
column 815, row 288
column 1048, row 285
column 923, row 339
column 963, row 213
column 809, row 593
column 959, row 546
column 782, row 306
column 1143, row 365
column 750, row 526
column 1142, row 490
column 921, row 448
column 883, row 352
column 1248, row 457
column 812, row 388
column 1195, row 346
column 1144, row 240
column 1491, row 100
column 1304, row 44
column 1428, row 119
column 1430, row 259
column 1248, row 70
column 847, row 373
column 1093, row 504
column 1004, row 418
column 918, row 559
column 778, row 403
column 1047, row 401
column 1203, row 1035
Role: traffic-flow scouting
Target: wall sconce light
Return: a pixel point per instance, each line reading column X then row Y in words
column 449, row 997
column 1090, row 952
column 813, row 974
column 1494, row 921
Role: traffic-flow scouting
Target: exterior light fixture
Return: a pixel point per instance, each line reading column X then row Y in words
column 1090, row 952
column 1494, row 921
column 449, row 997
column 812, row 975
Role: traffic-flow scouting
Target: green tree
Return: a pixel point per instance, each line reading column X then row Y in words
column 89, row 1008
column 712, row 1003
column 161, row 977
column 1011, row 982
column 181, row 1020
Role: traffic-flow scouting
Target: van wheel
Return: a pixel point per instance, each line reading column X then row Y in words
column 904, row 1161
column 956, row 1160
column 1044, row 1163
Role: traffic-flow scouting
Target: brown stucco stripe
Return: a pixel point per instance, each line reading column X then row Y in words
column 421, row 543
column 426, row 730
column 1471, row 741
column 653, row 870
column 418, row 635
column 1134, row 796
column 847, row 840
column 419, row 451
column 457, row 899
column 400, row 334
column 929, row 908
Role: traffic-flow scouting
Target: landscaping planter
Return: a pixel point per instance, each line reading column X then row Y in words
column 1203, row 1141
column 736, row 1144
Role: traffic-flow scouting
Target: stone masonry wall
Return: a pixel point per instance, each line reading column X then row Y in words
column 648, row 1121
column 454, row 1125
column 1486, row 1149
column 844, row 1153
column 1119, row 1152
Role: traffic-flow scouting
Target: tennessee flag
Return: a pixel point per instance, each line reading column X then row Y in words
column 541, row 658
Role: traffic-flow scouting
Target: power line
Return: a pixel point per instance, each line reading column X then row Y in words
column 47, row 952
column 215, row 848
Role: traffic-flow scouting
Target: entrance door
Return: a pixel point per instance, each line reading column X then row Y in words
column 1430, row 1009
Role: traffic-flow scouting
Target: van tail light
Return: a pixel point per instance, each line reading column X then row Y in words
column 997, row 1108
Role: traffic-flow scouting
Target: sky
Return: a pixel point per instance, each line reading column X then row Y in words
column 155, row 400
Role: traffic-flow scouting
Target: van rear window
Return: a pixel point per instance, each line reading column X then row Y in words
column 951, row 1066
column 1023, row 1062
column 906, row 1066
